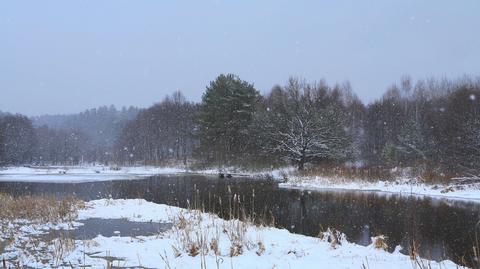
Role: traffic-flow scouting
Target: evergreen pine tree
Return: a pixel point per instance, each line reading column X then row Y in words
column 226, row 113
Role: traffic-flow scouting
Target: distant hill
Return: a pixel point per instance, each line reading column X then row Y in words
column 100, row 124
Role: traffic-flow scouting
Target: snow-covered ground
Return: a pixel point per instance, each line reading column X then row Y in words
column 82, row 173
column 200, row 238
column 467, row 192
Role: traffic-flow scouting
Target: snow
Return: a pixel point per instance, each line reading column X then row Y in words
column 469, row 192
column 76, row 174
column 81, row 173
column 132, row 209
column 263, row 247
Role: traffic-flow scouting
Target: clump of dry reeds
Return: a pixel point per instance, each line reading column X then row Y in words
column 197, row 233
column 332, row 236
column 188, row 232
column 39, row 208
column 380, row 242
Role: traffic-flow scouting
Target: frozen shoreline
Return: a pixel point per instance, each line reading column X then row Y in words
column 257, row 247
column 78, row 174
column 468, row 193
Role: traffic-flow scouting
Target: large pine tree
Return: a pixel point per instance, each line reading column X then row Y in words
column 226, row 113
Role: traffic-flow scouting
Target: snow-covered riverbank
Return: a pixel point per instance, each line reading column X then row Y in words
column 200, row 238
column 466, row 192
column 82, row 173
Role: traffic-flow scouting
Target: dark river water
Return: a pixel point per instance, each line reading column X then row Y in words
column 439, row 228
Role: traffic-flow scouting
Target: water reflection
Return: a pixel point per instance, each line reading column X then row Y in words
column 442, row 229
column 91, row 228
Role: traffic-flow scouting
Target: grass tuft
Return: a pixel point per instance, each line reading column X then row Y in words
column 380, row 242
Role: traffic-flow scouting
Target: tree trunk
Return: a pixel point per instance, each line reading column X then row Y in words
column 301, row 163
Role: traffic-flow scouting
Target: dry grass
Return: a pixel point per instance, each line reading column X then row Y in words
column 41, row 209
column 417, row 262
column 375, row 173
column 380, row 242
column 18, row 211
column 261, row 248
column 197, row 233
column 332, row 236
column 475, row 258
column 372, row 173
column 188, row 233
column 62, row 246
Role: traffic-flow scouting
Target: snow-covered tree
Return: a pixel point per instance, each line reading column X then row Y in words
column 412, row 143
column 304, row 123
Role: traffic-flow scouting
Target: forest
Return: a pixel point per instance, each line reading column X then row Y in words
column 431, row 126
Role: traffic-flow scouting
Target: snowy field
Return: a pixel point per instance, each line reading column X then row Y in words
column 197, row 240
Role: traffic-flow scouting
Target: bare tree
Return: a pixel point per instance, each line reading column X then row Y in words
column 305, row 123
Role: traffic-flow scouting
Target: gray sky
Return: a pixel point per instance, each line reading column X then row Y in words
column 66, row 56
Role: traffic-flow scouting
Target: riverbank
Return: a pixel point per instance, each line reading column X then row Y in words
column 287, row 177
column 88, row 173
column 401, row 186
column 195, row 240
column 52, row 174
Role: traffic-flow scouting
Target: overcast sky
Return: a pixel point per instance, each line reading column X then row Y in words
column 66, row 56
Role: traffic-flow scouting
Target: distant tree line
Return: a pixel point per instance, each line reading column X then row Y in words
column 62, row 139
column 432, row 125
column 17, row 140
column 159, row 134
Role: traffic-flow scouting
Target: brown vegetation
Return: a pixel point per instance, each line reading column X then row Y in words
column 39, row 208
column 375, row 173
column 371, row 173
